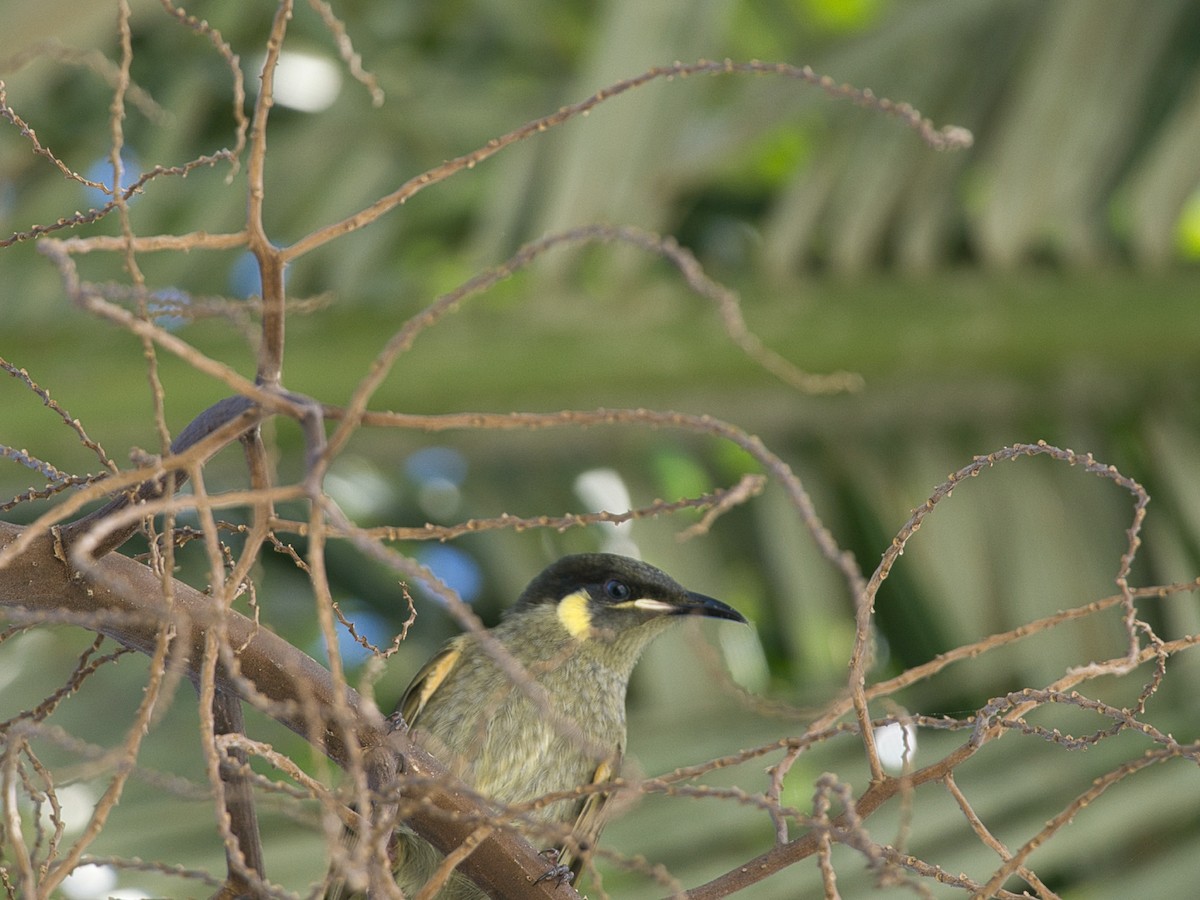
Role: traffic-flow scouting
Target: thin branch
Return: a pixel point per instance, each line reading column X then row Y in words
column 991, row 840
column 947, row 138
column 697, row 424
column 715, row 502
column 865, row 602
column 70, row 421
column 238, row 101
column 122, row 599
column 270, row 261
column 345, row 47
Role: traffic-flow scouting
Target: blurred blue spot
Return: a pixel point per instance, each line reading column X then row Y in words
column 442, row 463
column 8, row 198
column 102, row 171
column 456, row 568
column 245, row 280
column 165, row 305
column 369, row 624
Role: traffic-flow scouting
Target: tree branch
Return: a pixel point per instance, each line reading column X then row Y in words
column 122, row 599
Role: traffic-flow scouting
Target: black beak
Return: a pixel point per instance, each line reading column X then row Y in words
column 699, row 605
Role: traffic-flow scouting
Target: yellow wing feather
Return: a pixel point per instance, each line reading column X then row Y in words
column 430, row 677
column 592, row 817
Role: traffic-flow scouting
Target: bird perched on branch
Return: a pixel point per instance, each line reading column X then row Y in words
column 577, row 630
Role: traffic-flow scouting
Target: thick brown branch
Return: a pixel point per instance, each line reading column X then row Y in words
column 123, row 600
column 239, row 802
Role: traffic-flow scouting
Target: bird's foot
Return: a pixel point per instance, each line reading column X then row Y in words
column 557, row 873
column 395, row 722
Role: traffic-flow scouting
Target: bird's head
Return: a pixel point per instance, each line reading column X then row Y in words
column 601, row 596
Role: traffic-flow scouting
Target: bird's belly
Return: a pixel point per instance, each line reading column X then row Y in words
column 520, row 765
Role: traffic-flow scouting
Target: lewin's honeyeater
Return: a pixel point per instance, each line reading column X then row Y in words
column 578, row 630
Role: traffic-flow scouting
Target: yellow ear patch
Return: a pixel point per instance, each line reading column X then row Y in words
column 574, row 615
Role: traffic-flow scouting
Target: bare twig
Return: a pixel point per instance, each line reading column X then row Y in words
column 947, row 138
column 345, row 47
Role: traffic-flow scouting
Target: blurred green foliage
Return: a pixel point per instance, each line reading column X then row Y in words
column 1040, row 285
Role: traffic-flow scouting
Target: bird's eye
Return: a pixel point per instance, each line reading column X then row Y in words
column 617, row 589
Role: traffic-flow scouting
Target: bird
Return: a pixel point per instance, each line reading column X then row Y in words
column 578, row 630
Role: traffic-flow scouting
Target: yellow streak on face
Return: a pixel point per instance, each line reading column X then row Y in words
column 574, row 615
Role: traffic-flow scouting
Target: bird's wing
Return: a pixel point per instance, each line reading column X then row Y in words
column 592, row 816
column 430, row 677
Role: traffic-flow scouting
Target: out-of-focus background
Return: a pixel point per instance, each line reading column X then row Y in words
column 1041, row 285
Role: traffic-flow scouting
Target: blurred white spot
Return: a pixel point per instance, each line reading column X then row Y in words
column 90, row 881
column 604, row 490
column 77, row 801
column 745, row 657
column 358, row 487
column 439, row 498
column 24, row 653
column 897, row 745
column 883, row 650
column 306, row 82
column 438, row 472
